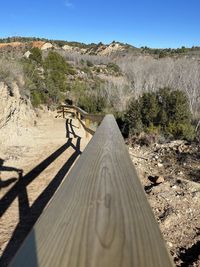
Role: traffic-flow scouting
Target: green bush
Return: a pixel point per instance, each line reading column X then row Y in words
column 55, row 61
column 71, row 71
column 89, row 63
column 113, row 67
column 36, row 99
column 33, row 78
column 122, row 123
column 55, row 75
column 134, row 116
column 36, row 55
column 149, row 110
column 181, row 130
column 152, row 129
column 92, row 103
column 164, row 112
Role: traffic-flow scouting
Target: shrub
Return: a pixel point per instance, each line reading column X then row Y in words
column 181, row 130
column 89, row 63
column 36, row 98
column 55, row 61
column 71, row 71
column 134, row 116
column 87, row 103
column 164, row 112
column 55, row 75
column 113, row 67
column 10, row 70
column 36, row 55
column 92, row 103
column 178, row 107
column 149, row 108
column 122, row 123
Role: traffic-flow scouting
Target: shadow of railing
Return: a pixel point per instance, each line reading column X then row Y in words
column 28, row 215
column 70, row 129
column 9, row 181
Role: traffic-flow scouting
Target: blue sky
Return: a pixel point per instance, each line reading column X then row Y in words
column 153, row 23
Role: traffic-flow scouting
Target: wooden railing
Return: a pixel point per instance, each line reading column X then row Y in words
column 99, row 216
column 80, row 114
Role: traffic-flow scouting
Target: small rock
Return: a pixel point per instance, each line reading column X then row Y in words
column 160, row 165
column 156, row 179
column 170, row 244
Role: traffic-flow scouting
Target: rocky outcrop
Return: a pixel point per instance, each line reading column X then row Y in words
column 12, row 44
column 16, row 113
column 70, row 48
column 112, row 48
column 100, row 49
column 47, row 46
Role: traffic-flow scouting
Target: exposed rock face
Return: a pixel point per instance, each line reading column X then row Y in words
column 47, row 46
column 13, row 44
column 104, row 50
column 112, row 48
column 27, row 54
column 70, row 48
column 67, row 48
column 16, row 114
column 37, row 44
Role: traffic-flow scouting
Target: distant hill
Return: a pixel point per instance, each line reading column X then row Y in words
column 90, row 49
column 114, row 48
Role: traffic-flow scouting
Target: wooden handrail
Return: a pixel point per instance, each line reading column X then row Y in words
column 78, row 112
column 93, row 117
column 99, row 216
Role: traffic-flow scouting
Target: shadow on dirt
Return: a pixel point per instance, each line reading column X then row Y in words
column 190, row 255
column 28, row 215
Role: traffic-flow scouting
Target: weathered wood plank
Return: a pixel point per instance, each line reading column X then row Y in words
column 99, row 216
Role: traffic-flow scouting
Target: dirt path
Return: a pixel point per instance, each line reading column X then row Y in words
column 31, row 172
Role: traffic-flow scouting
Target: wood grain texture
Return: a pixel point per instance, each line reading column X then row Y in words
column 99, row 217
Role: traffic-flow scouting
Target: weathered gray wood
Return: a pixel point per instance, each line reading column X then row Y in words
column 99, row 217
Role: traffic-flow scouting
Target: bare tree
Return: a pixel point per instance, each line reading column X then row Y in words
column 150, row 74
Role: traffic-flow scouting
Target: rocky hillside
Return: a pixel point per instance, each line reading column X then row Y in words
column 114, row 48
column 95, row 49
column 170, row 175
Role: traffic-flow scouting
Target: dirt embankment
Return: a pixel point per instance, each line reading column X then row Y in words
column 16, row 114
column 170, row 174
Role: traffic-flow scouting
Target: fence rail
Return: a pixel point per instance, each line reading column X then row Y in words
column 93, row 117
column 99, row 217
column 81, row 114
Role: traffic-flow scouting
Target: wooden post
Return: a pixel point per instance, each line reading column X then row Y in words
column 87, row 125
column 63, row 110
column 79, row 119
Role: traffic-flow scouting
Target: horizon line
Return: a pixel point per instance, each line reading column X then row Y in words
column 96, row 43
